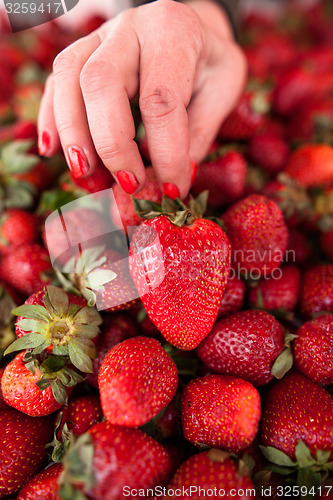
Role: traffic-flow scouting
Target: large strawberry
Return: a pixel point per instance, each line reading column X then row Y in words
column 211, row 471
column 45, row 485
column 22, row 444
column 55, row 320
column 257, row 233
column 313, row 348
column 268, row 150
column 109, row 460
column 311, row 165
column 316, row 294
column 233, row 297
column 245, row 345
column 137, row 380
column 220, row 411
column 180, row 264
column 17, row 227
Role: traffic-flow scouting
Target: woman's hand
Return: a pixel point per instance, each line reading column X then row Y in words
column 187, row 69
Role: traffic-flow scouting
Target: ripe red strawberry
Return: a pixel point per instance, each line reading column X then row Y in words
column 3, row 404
column 233, row 297
column 245, row 345
column 248, row 116
column 317, row 291
column 257, row 233
column 45, row 485
column 311, row 165
column 115, row 329
column 17, row 227
column 81, row 414
column 313, row 349
column 277, row 292
column 22, row 444
column 99, row 180
column 312, row 123
column 211, row 470
column 33, row 263
column 122, row 209
column 40, row 177
column 294, row 88
column 114, row 459
column 326, row 243
column 224, row 178
column 299, row 249
column 137, row 379
column 60, row 322
column 297, row 409
column 220, row 411
column 180, row 265
column 269, row 151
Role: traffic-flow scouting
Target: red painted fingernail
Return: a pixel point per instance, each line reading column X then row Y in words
column 194, row 168
column 44, row 143
column 78, row 162
column 128, row 181
column 171, row 191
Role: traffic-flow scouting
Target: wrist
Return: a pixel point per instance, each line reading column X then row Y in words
column 214, row 16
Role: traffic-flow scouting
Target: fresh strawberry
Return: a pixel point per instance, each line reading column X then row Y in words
column 312, row 123
column 17, row 227
column 45, row 485
column 99, row 180
column 269, row 151
column 233, row 297
column 277, row 50
column 299, row 249
column 319, row 58
column 297, row 409
column 220, row 411
column 20, row 130
column 168, row 255
column 245, row 345
column 122, row 209
column 279, row 292
column 257, row 233
column 137, row 379
column 248, row 116
column 293, row 90
column 40, row 177
column 114, row 459
column 313, row 349
column 208, row 471
column 115, row 328
column 317, row 291
column 3, row 404
column 22, row 443
column 326, row 243
column 33, row 263
column 311, row 165
column 224, row 178
column 60, row 322
column 81, row 414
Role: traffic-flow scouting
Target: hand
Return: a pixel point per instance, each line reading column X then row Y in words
column 189, row 73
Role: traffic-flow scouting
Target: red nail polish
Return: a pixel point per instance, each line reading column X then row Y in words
column 128, row 181
column 44, row 142
column 194, row 168
column 78, row 162
column 171, row 191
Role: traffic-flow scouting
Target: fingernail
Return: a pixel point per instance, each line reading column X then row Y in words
column 128, row 181
column 194, row 168
column 171, row 191
column 78, row 162
column 44, row 142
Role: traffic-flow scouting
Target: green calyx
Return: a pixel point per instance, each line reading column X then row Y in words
column 67, row 327
column 284, row 361
column 66, row 439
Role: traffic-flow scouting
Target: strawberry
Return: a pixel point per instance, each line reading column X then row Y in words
column 3, row 404
column 168, row 255
column 211, row 471
column 81, row 414
column 299, row 247
column 245, row 345
column 312, row 123
column 22, row 443
column 34, row 266
column 269, row 151
column 99, row 180
column 233, row 297
column 224, row 178
column 311, row 165
column 313, row 349
column 40, row 177
column 37, row 389
column 137, row 379
column 108, row 460
column 293, row 90
column 277, row 292
column 317, row 291
column 220, row 411
column 326, row 243
column 297, row 409
column 257, row 233
column 45, row 485
column 115, row 329
column 17, row 227
column 58, row 322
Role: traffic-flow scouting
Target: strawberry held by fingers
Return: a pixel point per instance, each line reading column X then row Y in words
column 180, row 264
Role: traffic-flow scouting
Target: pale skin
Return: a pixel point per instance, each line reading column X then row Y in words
column 183, row 63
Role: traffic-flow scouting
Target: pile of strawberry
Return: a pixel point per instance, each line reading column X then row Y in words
column 202, row 357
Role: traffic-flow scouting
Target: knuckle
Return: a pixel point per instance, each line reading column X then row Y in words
column 108, row 152
column 158, row 104
column 91, row 76
column 64, row 61
column 64, row 127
